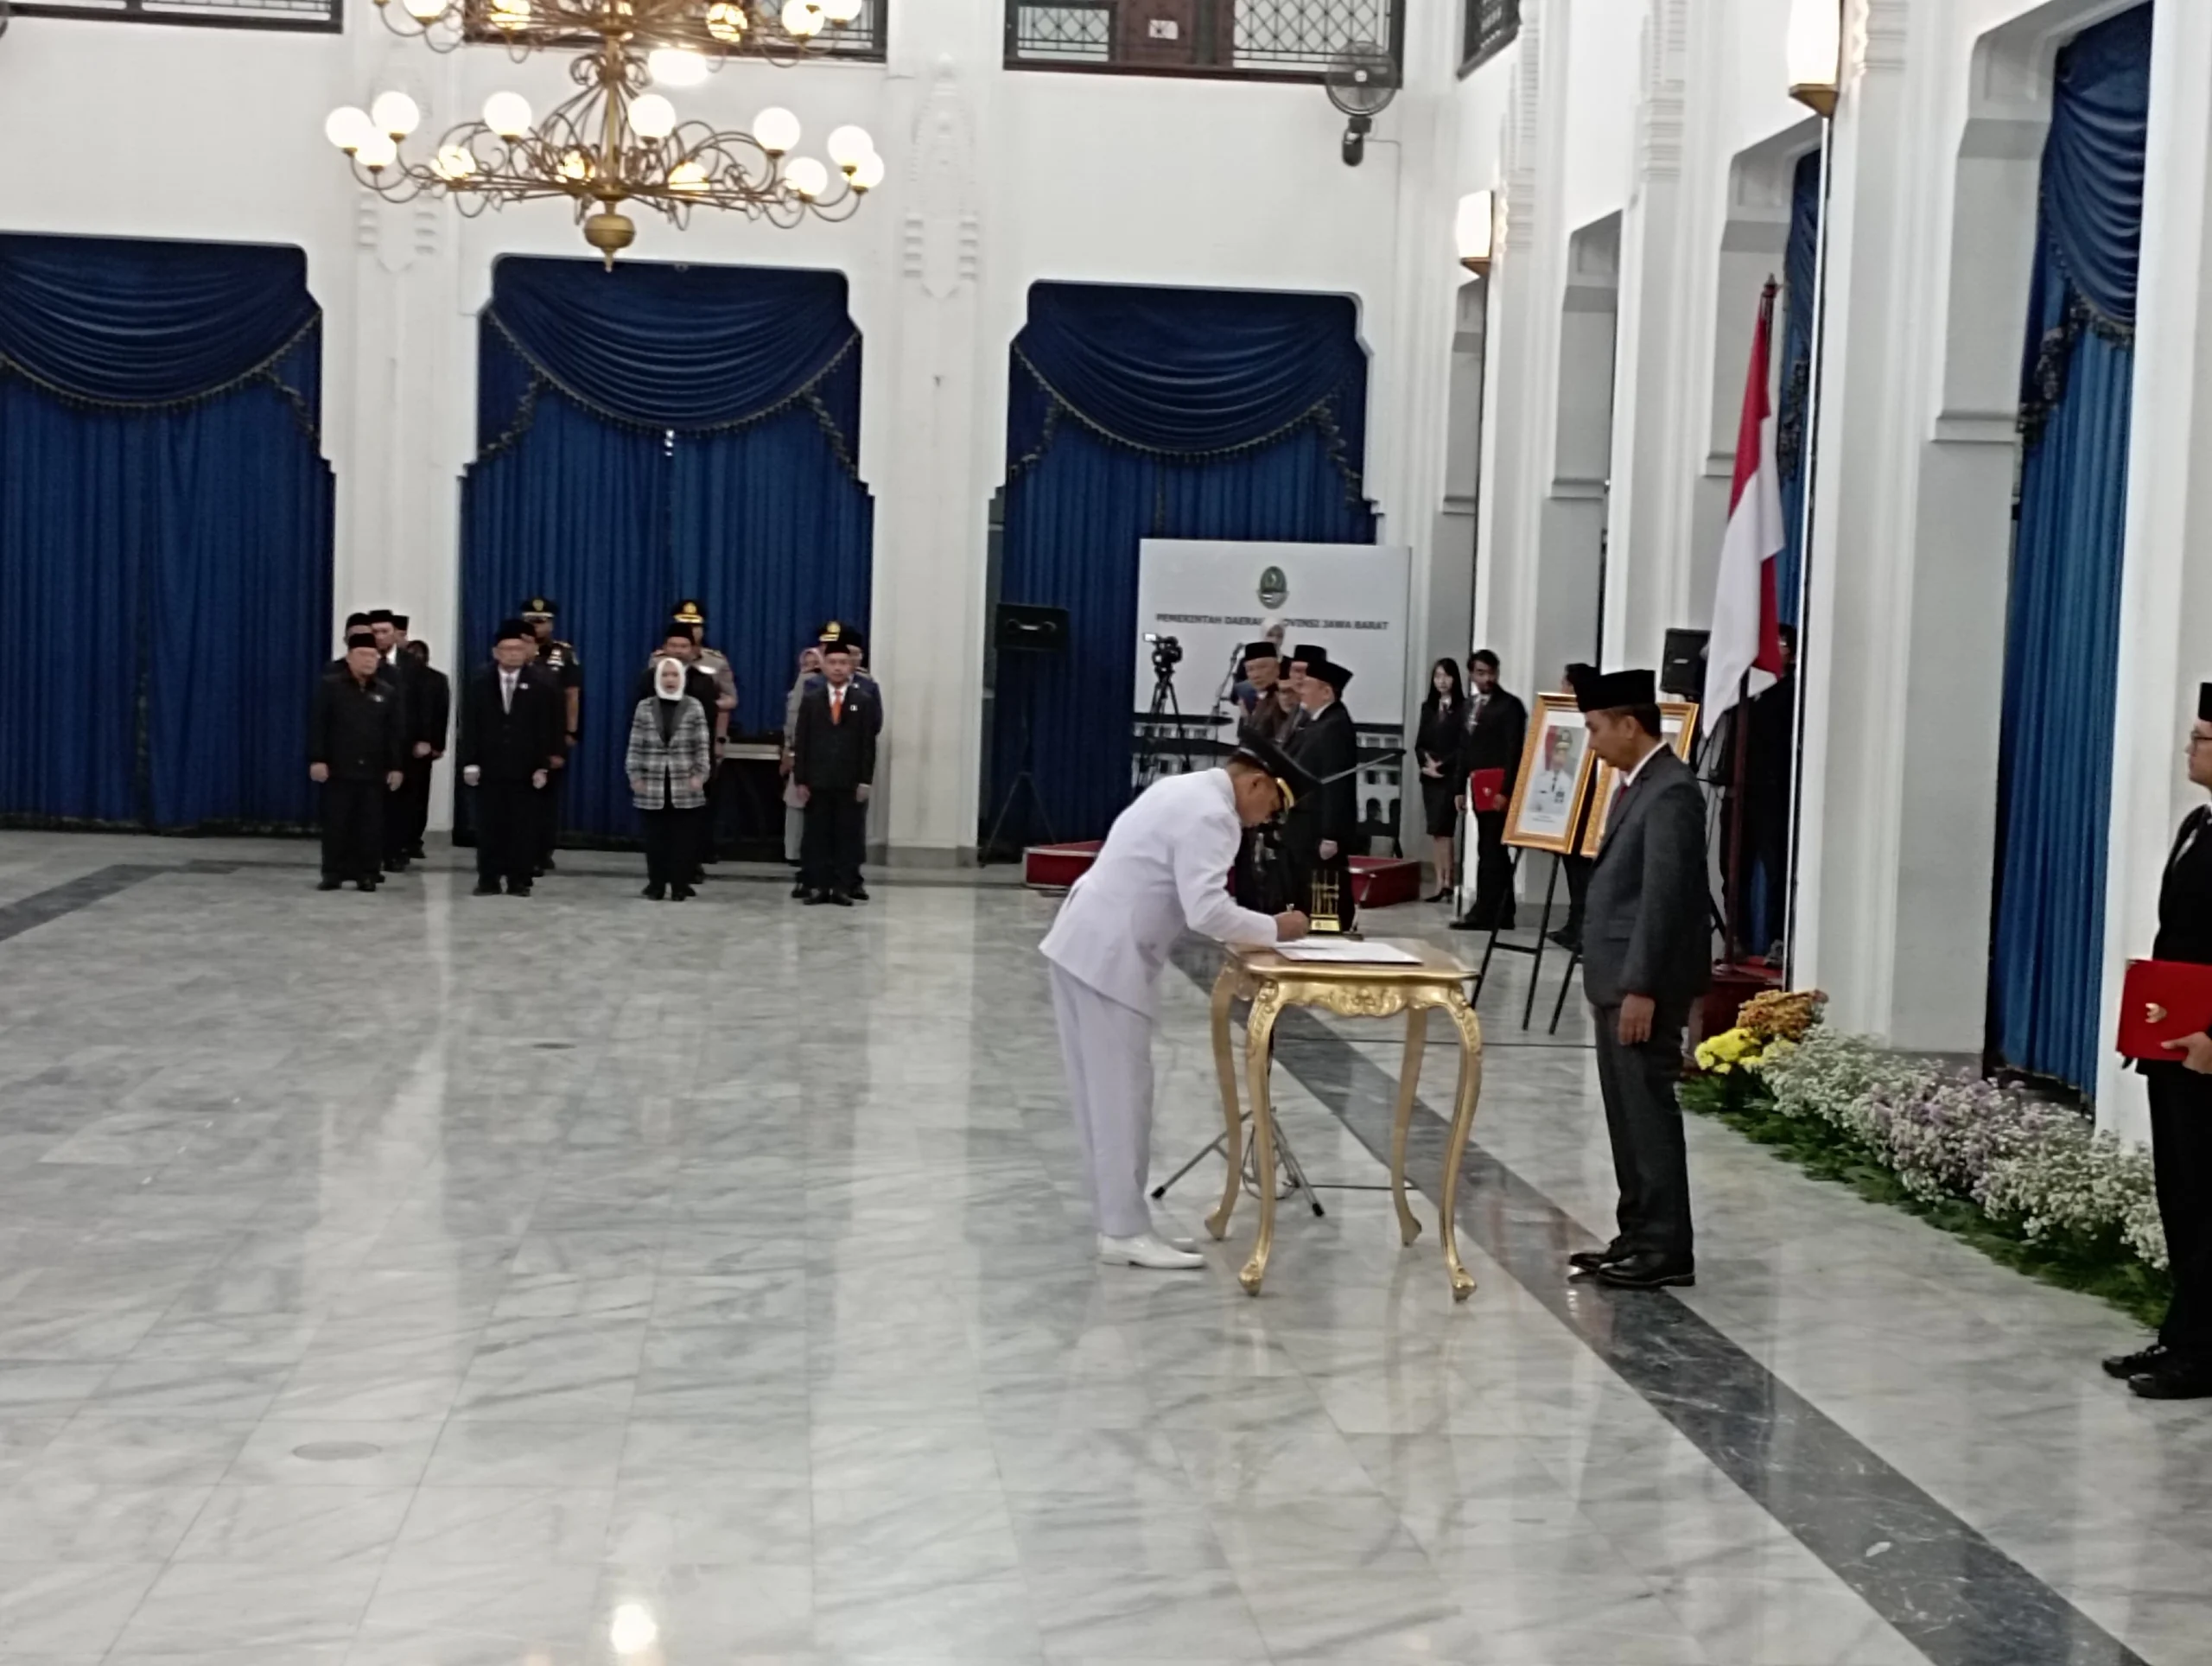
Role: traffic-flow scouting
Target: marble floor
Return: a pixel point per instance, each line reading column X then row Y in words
column 421, row 1280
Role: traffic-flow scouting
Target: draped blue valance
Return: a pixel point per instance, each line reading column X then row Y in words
column 2090, row 227
column 1188, row 373
column 692, row 349
column 2062, row 651
column 1136, row 413
column 126, row 324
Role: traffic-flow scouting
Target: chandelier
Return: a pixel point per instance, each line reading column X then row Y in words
column 615, row 141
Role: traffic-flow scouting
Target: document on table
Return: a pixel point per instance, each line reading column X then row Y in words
column 1337, row 951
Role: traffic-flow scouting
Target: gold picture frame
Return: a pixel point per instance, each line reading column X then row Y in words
column 1553, row 779
column 1678, row 728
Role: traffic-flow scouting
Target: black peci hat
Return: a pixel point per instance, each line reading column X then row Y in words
column 2204, row 703
column 399, row 621
column 1261, row 650
column 1329, row 671
column 380, row 616
column 512, row 630
column 1308, row 654
column 356, row 622
column 1578, row 674
column 1294, row 778
column 359, row 640
column 1616, row 690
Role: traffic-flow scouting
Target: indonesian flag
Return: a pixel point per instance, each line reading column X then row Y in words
column 1747, row 632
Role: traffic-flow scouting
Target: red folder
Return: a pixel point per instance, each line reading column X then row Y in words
column 1486, row 790
column 2163, row 1000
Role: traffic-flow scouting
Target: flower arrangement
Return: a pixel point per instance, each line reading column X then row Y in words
column 2029, row 1181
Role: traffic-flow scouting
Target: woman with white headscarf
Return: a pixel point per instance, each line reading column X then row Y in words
column 670, row 757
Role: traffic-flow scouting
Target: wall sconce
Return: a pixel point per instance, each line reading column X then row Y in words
column 1476, row 232
column 1815, row 53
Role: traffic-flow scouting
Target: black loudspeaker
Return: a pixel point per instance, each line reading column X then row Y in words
column 1681, row 664
column 1021, row 628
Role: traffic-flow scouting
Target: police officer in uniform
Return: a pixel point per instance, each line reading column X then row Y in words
column 555, row 660
column 2179, row 1365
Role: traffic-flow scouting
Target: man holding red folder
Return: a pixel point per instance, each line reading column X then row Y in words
column 2178, row 1366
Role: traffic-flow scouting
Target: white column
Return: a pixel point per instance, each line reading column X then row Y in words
column 2165, row 594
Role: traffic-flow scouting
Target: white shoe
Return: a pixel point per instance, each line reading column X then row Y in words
column 1147, row 1249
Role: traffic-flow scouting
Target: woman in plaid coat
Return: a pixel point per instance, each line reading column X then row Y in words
column 671, row 756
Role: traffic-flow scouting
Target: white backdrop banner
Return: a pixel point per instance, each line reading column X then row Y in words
column 1215, row 597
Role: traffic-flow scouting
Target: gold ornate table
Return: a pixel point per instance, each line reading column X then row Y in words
column 1272, row 981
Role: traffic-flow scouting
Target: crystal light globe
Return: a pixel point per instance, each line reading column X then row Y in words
column 802, row 19
column 396, row 113
column 454, row 163
column 348, row 127
column 652, row 117
column 726, row 22
column 507, row 114
column 869, row 173
column 775, row 130
column 377, row 151
column 675, row 67
column 849, row 146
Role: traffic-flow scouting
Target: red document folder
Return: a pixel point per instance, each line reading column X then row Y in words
column 2163, row 1000
column 1486, row 791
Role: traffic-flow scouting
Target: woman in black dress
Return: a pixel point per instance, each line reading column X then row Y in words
column 1437, row 743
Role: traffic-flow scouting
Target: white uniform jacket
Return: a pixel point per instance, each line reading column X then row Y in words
column 1165, row 868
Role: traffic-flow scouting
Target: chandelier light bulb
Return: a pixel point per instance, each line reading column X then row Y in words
column 425, row 11
column 396, row 113
column 849, row 146
column 1813, row 46
column 348, row 127
column 869, row 173
column 675, row 67
column 841, row 11
column 576, row 167
column 652, row 117
column 775, row 130
column 726, row 22
column 377, row 151
column 807, row 176
column 454, row 163
column 510, row 14
column 803, row 19
column 688, row 177
column 507, row 114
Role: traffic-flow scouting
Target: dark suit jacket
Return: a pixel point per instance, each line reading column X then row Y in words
column 1647, row 922
column 511, row 746
column 1326, row 745
column 430, row 707
column 836, row 756
column 1494, row 740
column 2185, row 895
column 356, row 731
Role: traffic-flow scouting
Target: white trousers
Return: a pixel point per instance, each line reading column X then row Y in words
column 1107, row 1048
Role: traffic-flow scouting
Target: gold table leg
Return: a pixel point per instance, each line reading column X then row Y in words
column 1224, row 1064
column 1408, row 1085
column 1259, row 1032
column 1463, row 1121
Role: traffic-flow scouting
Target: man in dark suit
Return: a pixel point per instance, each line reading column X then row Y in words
column 833, row 768
column 359, row 625
column 1318, row 833
column 1497, row 724
column 557, row 663
column 510, row 736
column 2179, row 1365
column 429, row 723
column 355, row 745
column 1647, row 955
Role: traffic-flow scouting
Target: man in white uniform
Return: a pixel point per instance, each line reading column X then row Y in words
column 1165, row 868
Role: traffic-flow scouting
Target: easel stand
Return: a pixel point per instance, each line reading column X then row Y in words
column 1535, row 950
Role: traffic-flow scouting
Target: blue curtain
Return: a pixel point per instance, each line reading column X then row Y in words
column 2063, row 623
column 1136, row 413
column 656, row 433
column 165, row 534
column 1800, row 287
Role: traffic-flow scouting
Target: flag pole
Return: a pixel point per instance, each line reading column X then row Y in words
column 1798, row 715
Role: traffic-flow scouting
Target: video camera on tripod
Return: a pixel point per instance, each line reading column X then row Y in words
column 1166, row 655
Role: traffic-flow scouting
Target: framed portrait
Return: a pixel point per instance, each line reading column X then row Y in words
column 1554, row 776
column 1677, row 728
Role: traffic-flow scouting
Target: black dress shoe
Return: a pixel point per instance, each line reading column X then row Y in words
column 1646, row 1271
column 799, row 890
column 841, row 900
column 2176, row 1379
column 545, row 867
column 816, row 899
column 395, row 865
column 1589, row 1261
column 1468, row 923
column 858, row 893
column 485, row 888
column 366, row 885
column 326, row 883
column 681, row 894
column 654, row 893
column 2125, row 1365
column 514, row 890
column 1443, row 894
column 1570, row 941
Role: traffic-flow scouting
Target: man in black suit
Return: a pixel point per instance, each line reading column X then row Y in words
column 1318, row 833
column 1647, row 955
column 359, row 625
column 1497, row 724
column 510, row 735
column 2179, row 1365
column 429, row 722
column 833, row 769
column 355, row 745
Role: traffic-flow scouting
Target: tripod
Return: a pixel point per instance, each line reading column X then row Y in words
column 1024, row 779
column 1293, row 1172
column 1165, row 710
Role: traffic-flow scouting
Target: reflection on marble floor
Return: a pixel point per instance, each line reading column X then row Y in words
column 419, row 1280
